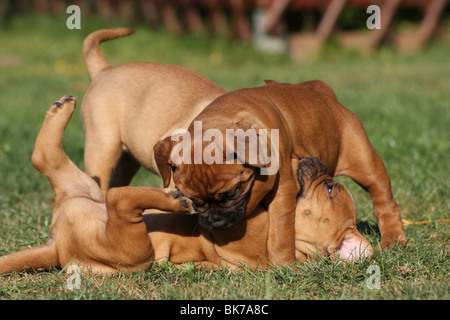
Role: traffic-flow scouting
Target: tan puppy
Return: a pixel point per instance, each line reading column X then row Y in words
column 325, row 216
column 115, row 235
column 129, row 107
column 309, row 122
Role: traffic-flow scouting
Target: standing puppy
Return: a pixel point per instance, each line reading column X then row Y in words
column 129, row 107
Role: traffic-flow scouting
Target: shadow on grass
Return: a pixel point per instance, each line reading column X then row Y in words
column 368, row 228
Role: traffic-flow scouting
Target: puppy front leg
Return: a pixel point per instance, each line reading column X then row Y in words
column 139, row 199
column 281, row 239
column 126, row 233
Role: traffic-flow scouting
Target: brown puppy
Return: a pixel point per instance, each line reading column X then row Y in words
column 111, row 235
column 308, row 122
column 129, row 107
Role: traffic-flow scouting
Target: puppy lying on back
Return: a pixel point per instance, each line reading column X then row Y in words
column 125, row 232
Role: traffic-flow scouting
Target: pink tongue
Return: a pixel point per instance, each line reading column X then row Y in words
column 352, row 249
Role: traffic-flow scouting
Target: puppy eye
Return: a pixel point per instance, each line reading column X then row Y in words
column 228, row 195
column 329, row 186
column 232, row 193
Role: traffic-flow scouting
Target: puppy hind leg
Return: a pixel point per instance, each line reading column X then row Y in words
column 49, row 158
column 39, row 257
column 48, row 153
column 367, row 169
column 378, row 185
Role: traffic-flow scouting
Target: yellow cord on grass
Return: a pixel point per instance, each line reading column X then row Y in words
column 407, row 222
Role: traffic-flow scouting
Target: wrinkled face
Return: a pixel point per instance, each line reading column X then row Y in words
column 220, row 191
column 325, row 220
column 215, row 168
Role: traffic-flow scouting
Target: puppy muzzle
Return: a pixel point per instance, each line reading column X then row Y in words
column 216, row 218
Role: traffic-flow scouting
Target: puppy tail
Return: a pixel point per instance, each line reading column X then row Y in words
column 93, row 57
column 38, row 257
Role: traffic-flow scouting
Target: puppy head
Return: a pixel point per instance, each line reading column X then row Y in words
column 215, row 175
column 325, row 220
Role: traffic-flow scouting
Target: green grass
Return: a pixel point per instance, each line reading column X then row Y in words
column 402, row 99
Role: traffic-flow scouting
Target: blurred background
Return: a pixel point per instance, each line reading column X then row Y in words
column 293, row 27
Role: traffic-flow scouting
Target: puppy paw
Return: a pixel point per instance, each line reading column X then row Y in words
column 66, row 103
column 311, row 167
column 188, row 204
column 175, row 193
column 185, row 202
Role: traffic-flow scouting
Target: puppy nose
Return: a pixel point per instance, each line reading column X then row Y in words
column 216, row 217
column 218, row 220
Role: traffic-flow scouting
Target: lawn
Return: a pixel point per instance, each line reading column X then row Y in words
column 402, row 99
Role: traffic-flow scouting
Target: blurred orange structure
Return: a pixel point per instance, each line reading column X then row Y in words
column 236, row 18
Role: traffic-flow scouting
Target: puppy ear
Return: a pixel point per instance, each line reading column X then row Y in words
column 162, row 151
column 248, row 144
column 269, row 82
column 308, row 170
